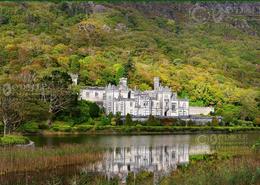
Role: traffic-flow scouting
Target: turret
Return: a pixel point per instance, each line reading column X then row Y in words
column 74, row 78
column 123, row 83
column 156, row 83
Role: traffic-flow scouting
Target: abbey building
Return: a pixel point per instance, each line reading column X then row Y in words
column 161, row 101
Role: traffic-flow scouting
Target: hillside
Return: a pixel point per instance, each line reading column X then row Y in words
column 207, row 52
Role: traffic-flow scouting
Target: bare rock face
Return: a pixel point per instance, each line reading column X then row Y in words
column 90, row 28
column 189, row 13
column 72, row 8
column 120, row 27
column 201, row 13
column 3, row 20
column 98, row 8
column 106, row 28
column 170, row 10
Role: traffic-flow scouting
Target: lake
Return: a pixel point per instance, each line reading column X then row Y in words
column 124, row 154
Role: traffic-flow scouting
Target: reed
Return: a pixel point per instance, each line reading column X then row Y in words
column 15, row 159
column 241, row 170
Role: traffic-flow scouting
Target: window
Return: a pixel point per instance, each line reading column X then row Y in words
column 121, row 106
column 87, row 94
column 131, row 104
column 174, row 107
column 96, row 94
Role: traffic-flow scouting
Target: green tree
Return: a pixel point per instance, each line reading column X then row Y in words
column 57, row 93
column 94, row 110
column 229, row 112
column 118, row 119
column 128, row 120
column 111, row 118
column 144, row 87
column 105, row 120
column 80, row 112
column 248, row 109
column 129, row 66
column 74, row 63
column 153, row 121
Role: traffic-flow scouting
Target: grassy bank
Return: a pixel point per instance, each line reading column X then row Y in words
column 218, row 171
column 93, row 129
column 14, row 159
column 13, row 140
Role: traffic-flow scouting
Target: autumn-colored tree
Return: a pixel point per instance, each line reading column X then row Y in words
column 57, row 93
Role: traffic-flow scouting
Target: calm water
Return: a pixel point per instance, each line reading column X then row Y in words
column 209, row 142
column 160, row 154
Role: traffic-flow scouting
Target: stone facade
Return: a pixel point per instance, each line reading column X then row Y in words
column 200, row 110
column 160, row 101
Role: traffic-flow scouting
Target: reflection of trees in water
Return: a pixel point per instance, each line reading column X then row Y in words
column 160, row 160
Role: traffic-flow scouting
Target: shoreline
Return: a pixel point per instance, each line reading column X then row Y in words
column 156, row 130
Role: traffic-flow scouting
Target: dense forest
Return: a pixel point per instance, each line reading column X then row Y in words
column 204, row 52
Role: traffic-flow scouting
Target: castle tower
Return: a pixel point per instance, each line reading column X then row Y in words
column 123, row 83
column 156, row 83
column 74, row 78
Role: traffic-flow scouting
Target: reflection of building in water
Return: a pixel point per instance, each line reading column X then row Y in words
column 161, row 160
column 199, row 149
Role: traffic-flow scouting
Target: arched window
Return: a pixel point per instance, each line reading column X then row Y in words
column 129, row 94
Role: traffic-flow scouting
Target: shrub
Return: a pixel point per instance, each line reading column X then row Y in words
column 169, row 121
column 118, row 119
column 153, row 121
column 244, row 123
column 139, row 125
column 191, row 123
column 105, row 121
column 256, row 146
column 257, row 121
column 61, row 126
column 94, row 110
column 90, row 122
column 128, row 120
column 214, row 121
column 83, row 128
column 30, row 127
column 43, row 126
